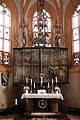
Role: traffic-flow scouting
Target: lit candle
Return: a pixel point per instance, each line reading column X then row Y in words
column 48, row 84
column 34, row 84
column 31, row 81
column 15, row 101
column 56, row 80
column 52, row 81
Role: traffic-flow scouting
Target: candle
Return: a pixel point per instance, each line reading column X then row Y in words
column 31, row 81
column 34, row 84
column 15, row 101
column 52, row 81
column 26, row 80
column 41, row 78
column 56, row 80
column 48, row 84
column 41, row 83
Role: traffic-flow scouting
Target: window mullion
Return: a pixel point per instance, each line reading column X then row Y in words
column 5, row 60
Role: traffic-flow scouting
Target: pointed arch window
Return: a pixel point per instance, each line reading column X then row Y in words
column 5, row 28
column 42, row 29
column 76, row 35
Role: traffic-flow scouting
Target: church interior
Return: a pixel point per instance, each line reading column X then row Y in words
column 40, row 59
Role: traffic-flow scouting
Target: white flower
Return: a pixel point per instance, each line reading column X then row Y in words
column 26, row 88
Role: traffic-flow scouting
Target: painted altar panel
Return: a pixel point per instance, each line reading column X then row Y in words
column 31, row 62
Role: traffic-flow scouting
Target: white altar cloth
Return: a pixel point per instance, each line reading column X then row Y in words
column 47, row 95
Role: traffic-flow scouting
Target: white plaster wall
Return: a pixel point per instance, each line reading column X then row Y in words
column 3, row 97
column 71, row 92
column 8, row 94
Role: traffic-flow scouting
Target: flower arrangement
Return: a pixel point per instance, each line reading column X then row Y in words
column 57, row 90
column 26, row 89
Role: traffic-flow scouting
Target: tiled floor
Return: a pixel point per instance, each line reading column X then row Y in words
column 12, row 117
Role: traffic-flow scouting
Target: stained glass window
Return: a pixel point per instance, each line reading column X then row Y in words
column 76, row 35
column 5, row 27
column 6, row 58
column 42, row 29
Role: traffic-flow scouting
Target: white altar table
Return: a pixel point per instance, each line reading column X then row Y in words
column 47, row 95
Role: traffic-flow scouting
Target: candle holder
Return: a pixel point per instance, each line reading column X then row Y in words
column 41, row 83
column 31, row 89
column 34, row 90
column 52, row 86
column 48, row 90
column 41, row 79
column 52, row 89
column 26, row 81
column 56, row 81
column 48, row 87
column 16, row 104
column 31, row 86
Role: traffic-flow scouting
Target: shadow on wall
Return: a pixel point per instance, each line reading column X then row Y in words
column 71, row 92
